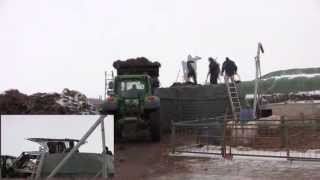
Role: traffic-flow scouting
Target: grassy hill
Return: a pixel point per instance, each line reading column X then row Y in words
column 292, row 72
column 286, row 81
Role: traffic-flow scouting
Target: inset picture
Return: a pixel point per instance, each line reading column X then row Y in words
column 60, row 146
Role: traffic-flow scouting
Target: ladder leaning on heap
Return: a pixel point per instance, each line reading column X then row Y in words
column 233, row 95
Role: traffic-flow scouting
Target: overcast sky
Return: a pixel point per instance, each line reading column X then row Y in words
column 47, row 45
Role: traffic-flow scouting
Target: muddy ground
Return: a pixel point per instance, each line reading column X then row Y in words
column 142, row 159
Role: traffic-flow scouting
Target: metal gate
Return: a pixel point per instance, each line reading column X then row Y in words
column 293, row 139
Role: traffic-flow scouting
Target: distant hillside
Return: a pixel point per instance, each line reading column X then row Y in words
column 286, row 81
column 300, row 72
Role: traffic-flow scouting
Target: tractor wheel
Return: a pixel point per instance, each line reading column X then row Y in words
column 155, row 128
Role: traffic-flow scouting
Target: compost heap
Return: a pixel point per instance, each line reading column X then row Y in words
column 68, row 102
column 182, row 84
column 135, row 62
column 139, row 65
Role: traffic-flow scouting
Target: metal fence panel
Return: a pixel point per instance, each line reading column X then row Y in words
column 294, row 139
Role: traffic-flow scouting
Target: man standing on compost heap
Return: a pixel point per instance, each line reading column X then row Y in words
column 230, row 67
column 192, row 66
column 214, row 71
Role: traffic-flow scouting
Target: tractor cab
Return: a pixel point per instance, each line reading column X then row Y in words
column 54, row 145
column 132, row 86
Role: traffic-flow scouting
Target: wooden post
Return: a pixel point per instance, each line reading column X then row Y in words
column 179, row 106
column 286, row 134
column 223, row 149
column 173, row 137
column 236, row 124
column 282, row 132
column 303, row 126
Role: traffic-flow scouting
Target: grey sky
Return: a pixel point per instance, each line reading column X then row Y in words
column 16, row 128
column 47, row 45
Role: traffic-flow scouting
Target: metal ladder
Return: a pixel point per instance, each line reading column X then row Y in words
column 233, row 94
column 107, row 78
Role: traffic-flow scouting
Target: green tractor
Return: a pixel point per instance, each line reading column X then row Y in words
column 132, row 100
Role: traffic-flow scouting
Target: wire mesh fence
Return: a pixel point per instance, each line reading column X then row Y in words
column 204, row 136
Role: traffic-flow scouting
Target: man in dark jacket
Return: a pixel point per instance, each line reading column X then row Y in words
column 230, row 68
column 214, row 70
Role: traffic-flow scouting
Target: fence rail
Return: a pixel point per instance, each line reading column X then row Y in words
column 293, row 139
